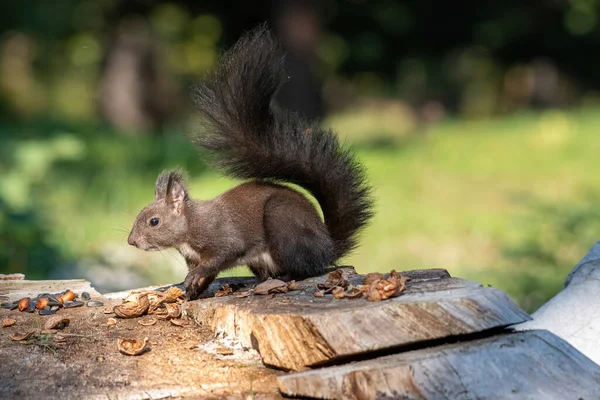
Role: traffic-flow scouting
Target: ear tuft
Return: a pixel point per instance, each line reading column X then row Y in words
column 171, row 186
column 160, row 188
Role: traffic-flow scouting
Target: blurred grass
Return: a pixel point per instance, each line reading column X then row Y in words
column 509, row 202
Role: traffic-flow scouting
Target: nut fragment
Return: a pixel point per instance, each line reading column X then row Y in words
column 400, row 278
column 155, row 300
column 336, row 278
column 180, row 322
column 134, row 305
column 372, row 277
column 292, row 285
column 173, row 311
column 224, row 291
column 147, row 322
column 172, row 294
column 383, row 289
column 271, row 286
column 338, row 292
column 21, row 336
column 56, row 322
column 132, row 347
column 354, row 293
column 8, row 322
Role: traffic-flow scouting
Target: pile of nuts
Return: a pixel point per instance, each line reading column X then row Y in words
column 48, row 304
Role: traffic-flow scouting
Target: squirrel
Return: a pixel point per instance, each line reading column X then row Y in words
column 263, row 223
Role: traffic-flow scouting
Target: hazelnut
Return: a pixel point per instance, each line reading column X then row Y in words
column 24, row 304
column 42, row 303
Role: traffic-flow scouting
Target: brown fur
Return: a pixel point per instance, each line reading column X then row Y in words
column 271, row 228
column 227, row 231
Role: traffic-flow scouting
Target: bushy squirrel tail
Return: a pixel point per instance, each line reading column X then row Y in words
column 249, row 138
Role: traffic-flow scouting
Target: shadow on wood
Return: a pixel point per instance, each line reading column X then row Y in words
column 526, row 365
column 296, row 330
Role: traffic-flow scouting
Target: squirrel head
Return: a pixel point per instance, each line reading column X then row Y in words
column 163, row 224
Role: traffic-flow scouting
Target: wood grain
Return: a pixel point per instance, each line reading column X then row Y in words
column 11, row 290
column 525, row 365
column 297, row 330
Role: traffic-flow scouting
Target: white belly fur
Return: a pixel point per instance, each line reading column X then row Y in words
column 263, row 260
column 188, row 252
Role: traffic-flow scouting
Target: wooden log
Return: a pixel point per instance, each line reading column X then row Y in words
column 573, row 314
column 12, row 277
column 525, row 365
column 297, row 330
column 11, row 290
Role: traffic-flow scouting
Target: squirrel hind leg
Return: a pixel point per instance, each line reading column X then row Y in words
column 297, row 239
column 264, row 267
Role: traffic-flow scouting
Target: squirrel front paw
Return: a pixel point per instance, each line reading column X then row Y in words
column 195, row 283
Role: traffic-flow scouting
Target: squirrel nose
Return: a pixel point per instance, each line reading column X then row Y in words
column 131, row 241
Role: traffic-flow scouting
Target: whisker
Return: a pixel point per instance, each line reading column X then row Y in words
column 178, row 260
column 120, row 231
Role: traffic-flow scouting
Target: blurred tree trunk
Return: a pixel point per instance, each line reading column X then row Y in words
column 137, row 94
column 298, row 25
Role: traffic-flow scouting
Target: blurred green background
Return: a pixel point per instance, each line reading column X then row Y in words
column 477, row 123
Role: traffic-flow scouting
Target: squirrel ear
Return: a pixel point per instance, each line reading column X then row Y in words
column 176, row 195
column 177, row 192
column 170, row 185
column 160, row 188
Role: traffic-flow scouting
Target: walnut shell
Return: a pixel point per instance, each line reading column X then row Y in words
column 372, row 277
column 135, row 305
column 56, row 322
column 337, row 278
column 147, row 322
column 132, row 347
column 173, row 294
column 173, row 311
column 21, row 336
column 271, row 286
column 180, row 322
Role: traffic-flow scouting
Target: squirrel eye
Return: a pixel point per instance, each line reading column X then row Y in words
column 154, row 221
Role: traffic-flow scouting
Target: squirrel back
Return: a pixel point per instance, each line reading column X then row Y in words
column 247, row 137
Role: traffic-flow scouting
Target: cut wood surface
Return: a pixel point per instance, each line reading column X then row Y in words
column 524, row 365
column 296, row 330
column 82, row 360
column 11, row 290
column 574, row 313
